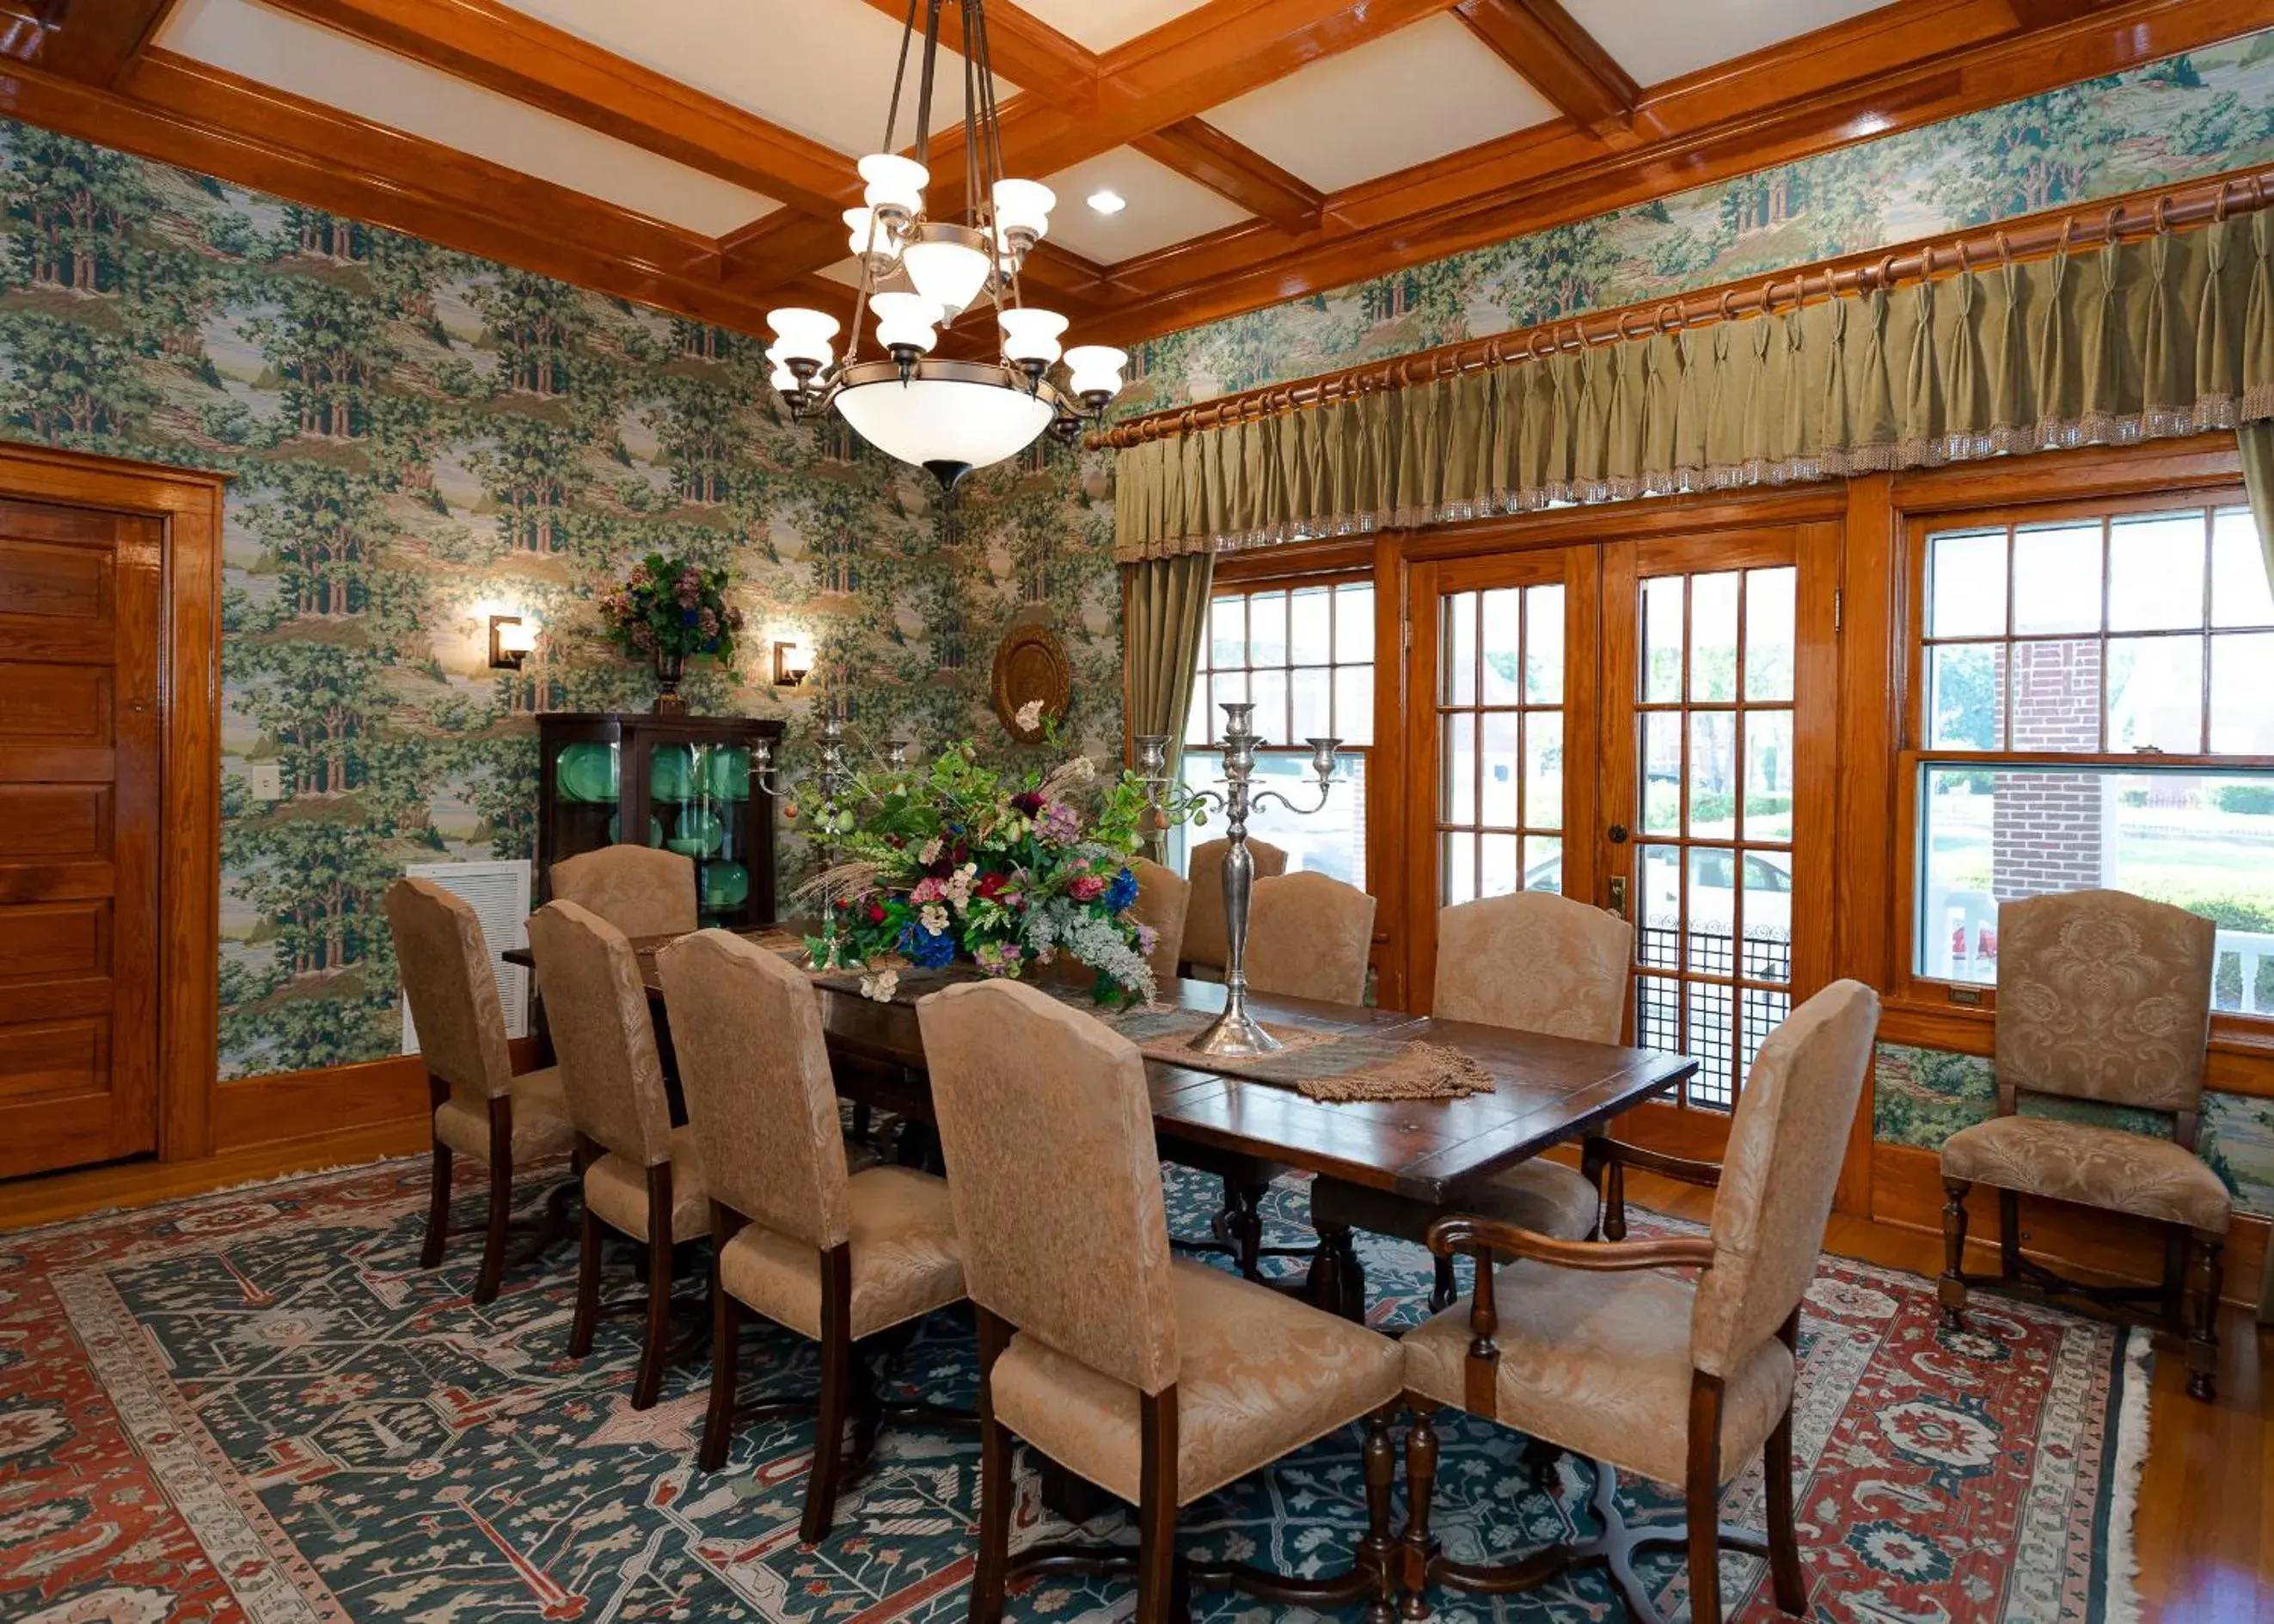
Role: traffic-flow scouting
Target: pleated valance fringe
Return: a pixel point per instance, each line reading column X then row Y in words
column 2171, row 335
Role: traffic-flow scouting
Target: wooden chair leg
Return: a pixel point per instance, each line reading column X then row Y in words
column 2009, row 1235
column 827, row 1475
column 655, row 1349
column 1378, row 1550
column 995, row 1489
column 726, row 1338
column 1702, row 1499
column 1421, row 1482
column 1952, row 1287
column 2203, row 1342
column 438, row 1208
column 492, row 1274
column 1246, row 1220
column 1157, row 1598
column 588, row 1274
column 1444, row 1290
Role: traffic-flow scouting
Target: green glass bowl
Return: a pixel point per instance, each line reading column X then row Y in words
column 702, row 824
column 730, row 772
column 587, row 772
column 685, row 847
column 654, row 828
column 671, row 773
column 725, row 884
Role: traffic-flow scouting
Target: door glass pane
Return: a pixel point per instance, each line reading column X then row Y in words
column 1768, row 775
column 1658, row 1013
column 1662, row 771
column 1498, row 796
column 2155, row 572
column 1712, row 638
column 1459, row 684
column 1496, row 872
column 1763, row 1012
column 2056, row 579
column 1457, row 768
column 1543, row 645
column 1710, row 930
column 1543, row 769
column 1768, row 916
column 1457, row 862
column 1658, row 911
column 2155, row 694
column 1661, row 640
column 1769, row 640
column 1707, row 1039
column 1966, row 584
column 1713, row 773
column 1503, row 646
column 1543, row 862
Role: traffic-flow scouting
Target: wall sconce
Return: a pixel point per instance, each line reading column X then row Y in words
column 511, row 638
column 792, row 663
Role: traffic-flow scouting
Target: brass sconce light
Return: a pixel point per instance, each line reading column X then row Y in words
column 792, row 663
column 511, row 638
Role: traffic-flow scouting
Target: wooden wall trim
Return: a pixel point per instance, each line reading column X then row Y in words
column 188, row 504
column 252, row 1111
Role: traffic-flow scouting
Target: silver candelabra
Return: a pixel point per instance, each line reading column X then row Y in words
column 1235, row 1033
column 831, row 778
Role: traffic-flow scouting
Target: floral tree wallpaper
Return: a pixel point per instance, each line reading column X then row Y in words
column 421, row 440
column 2179, row 119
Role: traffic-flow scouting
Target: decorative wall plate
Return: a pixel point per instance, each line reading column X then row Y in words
column 1030, row 663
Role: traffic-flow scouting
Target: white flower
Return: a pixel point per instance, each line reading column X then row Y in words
column 958, row 887
column 1030, row 716
column 933, row 918
column 933, row 847
column 881, row 987
column 1084, row 768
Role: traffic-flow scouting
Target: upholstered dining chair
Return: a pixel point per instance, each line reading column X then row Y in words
column 836, row 1259
column 642, row 891
column 643, row 1177
column 481, row 1108
column 1205, row 943
column 1163, row 900
column 2104, row 997
column 1594, row 1347
column 1309, row 936
column 1158, row 1380
column 1533, row 962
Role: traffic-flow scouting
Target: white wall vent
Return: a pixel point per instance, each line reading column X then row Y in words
column 499, row 894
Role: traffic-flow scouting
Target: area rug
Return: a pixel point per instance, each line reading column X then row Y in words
column 257, row 1406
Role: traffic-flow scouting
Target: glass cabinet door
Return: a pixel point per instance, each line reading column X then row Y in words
column 699, row 796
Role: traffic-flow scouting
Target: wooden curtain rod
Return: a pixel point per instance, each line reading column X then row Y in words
column 2034, row 237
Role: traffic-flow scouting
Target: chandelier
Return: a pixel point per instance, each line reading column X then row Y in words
column 918, row 274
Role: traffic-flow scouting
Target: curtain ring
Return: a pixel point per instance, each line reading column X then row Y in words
column 2112, row 227
column 1625, row 336
column 2218, row 206
column 1887, row 270
column 1726, row 295
column 1676, row 308
column 1965, row 267
column 2006, row 248
column 2163, row 213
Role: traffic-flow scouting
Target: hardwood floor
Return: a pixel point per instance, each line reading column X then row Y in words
column 2205, row 1528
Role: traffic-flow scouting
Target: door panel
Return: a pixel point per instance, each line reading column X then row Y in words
column 79, row 832
column 1716, row 775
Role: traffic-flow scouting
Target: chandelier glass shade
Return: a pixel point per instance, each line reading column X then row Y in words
column 919, row 274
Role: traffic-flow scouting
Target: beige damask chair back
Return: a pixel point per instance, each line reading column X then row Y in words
column 480, row 1109
column 642, row 1175
column 1204, row 937
column 1163, row 900
column 642, row 891
column 1530, row 962
column 1158, row 1380
column 834, row 1257
column 1309, row 936
column 1596, row 1348
column 2102, row 997
column 1534, row 961
column 1027, row 1090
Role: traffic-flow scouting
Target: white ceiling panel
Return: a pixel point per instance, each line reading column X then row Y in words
column 1165, row 206
column 1655, row 41
column 274, row 49
column 1426, row 90
column 1100, row 25
column 822, row 68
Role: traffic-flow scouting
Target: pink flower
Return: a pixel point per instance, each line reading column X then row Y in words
column 1147, row 939
column 1087, row 887
column 926, row 890
column 638, row 578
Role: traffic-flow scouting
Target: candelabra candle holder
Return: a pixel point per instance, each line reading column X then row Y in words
column 831, row 779
column 1235, row 1034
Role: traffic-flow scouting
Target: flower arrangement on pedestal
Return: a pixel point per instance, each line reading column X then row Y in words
column 669, row 609
column 955, row 861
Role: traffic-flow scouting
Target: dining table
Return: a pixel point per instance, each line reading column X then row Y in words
column 1545, row 1091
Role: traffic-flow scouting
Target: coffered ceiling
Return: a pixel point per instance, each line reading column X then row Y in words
column 695, row 153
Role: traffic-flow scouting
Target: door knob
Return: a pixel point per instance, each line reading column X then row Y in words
column 1618, row 832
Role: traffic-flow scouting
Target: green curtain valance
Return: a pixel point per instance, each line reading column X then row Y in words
column 2170, row 334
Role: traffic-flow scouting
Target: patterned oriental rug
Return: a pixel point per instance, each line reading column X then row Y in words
column 256, row 1406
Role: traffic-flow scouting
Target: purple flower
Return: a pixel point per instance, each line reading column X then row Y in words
column 1060, row 824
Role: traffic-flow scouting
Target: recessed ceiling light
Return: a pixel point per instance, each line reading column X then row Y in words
column 1105, row 200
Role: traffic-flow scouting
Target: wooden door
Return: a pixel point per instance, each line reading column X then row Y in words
column 79, row 764
column 1501, row 735
column 1717, row 771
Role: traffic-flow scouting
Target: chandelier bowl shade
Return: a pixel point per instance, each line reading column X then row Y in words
column 948, row 267
column 950, row 417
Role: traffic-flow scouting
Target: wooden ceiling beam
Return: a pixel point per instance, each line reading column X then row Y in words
column 491, row 44
column 1558, row 58
column 2052, row 13
column 1021, row 48
column 96, row 44
column 1200, row 151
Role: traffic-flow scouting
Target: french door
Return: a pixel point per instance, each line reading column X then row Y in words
column 1646, row 726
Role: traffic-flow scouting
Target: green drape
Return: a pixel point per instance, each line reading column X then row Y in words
column 2171, row 335
column 1161, row 638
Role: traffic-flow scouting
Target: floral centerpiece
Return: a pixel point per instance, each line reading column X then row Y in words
column 955, row 861
column 669, row 609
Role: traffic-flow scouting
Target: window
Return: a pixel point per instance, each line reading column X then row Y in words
column 1499, row 754
column 1304, row 656
column 2095, row 711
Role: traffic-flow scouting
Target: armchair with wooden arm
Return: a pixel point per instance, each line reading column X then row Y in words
column 1604, row 1162
column 1596, row 1347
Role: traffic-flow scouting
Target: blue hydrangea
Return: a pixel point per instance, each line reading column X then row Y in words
column 928, row 948
column 1122, row 892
